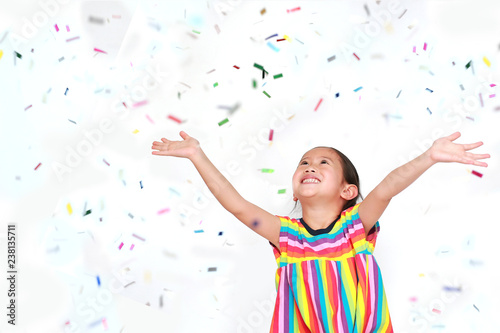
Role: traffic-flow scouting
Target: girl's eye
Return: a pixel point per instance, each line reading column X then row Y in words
column 303, row 162
column 324, row 161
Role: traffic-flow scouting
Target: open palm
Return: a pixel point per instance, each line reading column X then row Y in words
column 185, row 148
column 445, row 150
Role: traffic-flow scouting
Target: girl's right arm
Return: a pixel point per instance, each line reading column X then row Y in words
column 254, row 217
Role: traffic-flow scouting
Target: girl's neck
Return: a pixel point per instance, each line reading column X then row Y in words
column 321, row 215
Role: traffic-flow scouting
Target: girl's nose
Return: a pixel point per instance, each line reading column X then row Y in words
column 310, row 169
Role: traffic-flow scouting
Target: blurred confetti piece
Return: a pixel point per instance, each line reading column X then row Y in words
column 277, row 76
column 217, row 28
column 67, row 28
column 98, row 281
column 147, row 276
column 493, row 95
column 177, row 120
column 486, row 61
column 87, row 212
column 429, row 90
column 399, row 93
column 262, row 11
column 280, row 40
column 73, row 38
column 468, row 64
column 141, row 103
column 135, row 131
column 38, row 165
column 267, row 170
column 196, row 32
column 271, row 133
column 317, row 106
column 163, row 211
column 140, row 183
column 436, row 311
column 18, row 55
column 265, row 93
column 331, row 58
column 413, row 299
column 273, row 47
column 275, row 35
column 282, row 191
column 132, row 247
column 1, row 54
column 236, row 67
column 293, row 10
column 216, row 84
column 66, row 92
column 150, row 120
column 138, row 237
column 220, row 233
column 198, row 231
column 358, row 89
column 222, row 122
column 120, row 247
column 356, row 56
column 105, row 162
column 70, row 210
column 475, row 307
column 425, row 46
column 475, row 173
column 57, row 28
column 105, row 324
column 98, row 50
column 212, row 269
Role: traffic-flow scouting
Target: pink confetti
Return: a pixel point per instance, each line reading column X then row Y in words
column 271, row 133
column 492, row 85
column 105, row 161
column 413, row 299
column 132, row 247
column 120, row 247
column 481, row 99
column 116, row 16
column 98, row 50
column 67, row 28
column 436, row 311
column 149, row 118
column 74, row 38
column 38, row 165
column 356, row 56
column 292, row 10
column 141, row 103
column 493, row 95
column 177, row 120
column 57, row 28
column 414, row 49
column 105, row 323
column 142, row 239
column 317, row 106
column 475, row 173
column 425, row 46
column 163, row 211
column 26, row 108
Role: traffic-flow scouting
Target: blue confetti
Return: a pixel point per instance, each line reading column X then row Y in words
column 98, row 281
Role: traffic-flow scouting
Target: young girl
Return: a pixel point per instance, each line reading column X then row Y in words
column 327, row 278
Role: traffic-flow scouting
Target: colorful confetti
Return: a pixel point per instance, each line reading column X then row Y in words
column 222, row 122
column 293, row 10
column 163, row 211
column 271, row 133
column 282, row 191
column 177, row 120
column 265, row 93
column 277, row 76
column 317, row 106
column 486, row 61
column 120, row 247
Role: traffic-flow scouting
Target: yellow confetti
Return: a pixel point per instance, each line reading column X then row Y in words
column 287, row 38
column 1, row 54
column 147, row 276
column 70, row 210
column 135, row 131
column 421, row 275
column 389, row 28
column 486, row 61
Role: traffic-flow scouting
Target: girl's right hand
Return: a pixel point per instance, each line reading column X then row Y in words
column 186, row 148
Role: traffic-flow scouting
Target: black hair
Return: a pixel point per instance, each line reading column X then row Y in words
column 350, row 176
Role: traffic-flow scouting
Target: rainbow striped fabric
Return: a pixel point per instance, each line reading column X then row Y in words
column 328, row 280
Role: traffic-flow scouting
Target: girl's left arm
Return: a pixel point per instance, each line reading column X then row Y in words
column 442, row 150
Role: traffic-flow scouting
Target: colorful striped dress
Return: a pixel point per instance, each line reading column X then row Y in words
column 328, row 280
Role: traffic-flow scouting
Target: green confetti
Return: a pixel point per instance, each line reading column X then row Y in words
column 223, row 122
column 18, row 55
column 216, row 84
column 277, row 76
column 267, row 170
column 468, row 64
column 88, row 212
column 266, row 94
column 258, row 66
column 283, row 191
column 196, row 32
column 254, row 83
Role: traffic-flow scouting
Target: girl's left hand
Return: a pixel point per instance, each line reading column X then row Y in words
column 444, row 150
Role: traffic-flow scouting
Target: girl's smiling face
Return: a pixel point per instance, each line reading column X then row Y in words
column 319, row 173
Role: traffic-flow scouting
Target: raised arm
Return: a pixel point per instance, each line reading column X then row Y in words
column 442, row 150
column 259, row 220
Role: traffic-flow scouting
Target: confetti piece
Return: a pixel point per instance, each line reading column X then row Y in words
column 1, row 54
column 142, row 239
column 399, row 93
column 98, row 281
column 414, row 49
column 67, row 28
column 475, row 173
column 18, row 55
column 132, row 247
column 430, row 112
column 456, row 289
column 141, row 103
column 212, row 269
column 271, row 45
column 493, row 95
column 492, row 85
column 26, row 108
column 468, row 64
column 130, row 215
column 217, row 29
column 66, row 91
column 475, row 307
column 267, row 170
column 331, row 58
column 258, row 66
column 38, row 165
column 413, row 299
column 254, row 83
column 222, row 122
column 271, row 133
column 98, row 50
column 275, row 35
column 125, row 286
column 265, row 93
column 163, row 211
column 429, row 90
column 120, row 247
column 87, row 212
column 198, row 231
column 425, row 46
column 337, row 95
column 140, row 183
column 105, row 161
column 293, row 10
column 105, row 324
column 436, row 311
column 317, row 106
column 220, row 233
column 135, row 131
column 486, row 61
column 356, row 56
column 481, row 99
column 177, row 120
column 400, row 16
column 300, row 43
column 287, row 38
column 277, row 76
column 282, row 191
column 150, row 120
column 216, row 84
column 462, row 87
column 70, row 210
column 196, row 32
column 358, row 89
column 57, row 28
column 280, row 40
column 262, row 11
column 236, row 67
column 71, row 39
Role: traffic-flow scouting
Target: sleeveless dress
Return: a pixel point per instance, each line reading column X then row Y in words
column 328, row 280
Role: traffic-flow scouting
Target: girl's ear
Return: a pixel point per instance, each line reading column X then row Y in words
column 349, row 192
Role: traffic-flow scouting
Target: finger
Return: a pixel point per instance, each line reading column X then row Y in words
column 164, row 140
column 472, row 145
column 184, row 135
column 478, row 163
column 454, row 136
column 477, row 156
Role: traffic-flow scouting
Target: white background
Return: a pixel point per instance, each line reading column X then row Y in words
column 440, row 232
